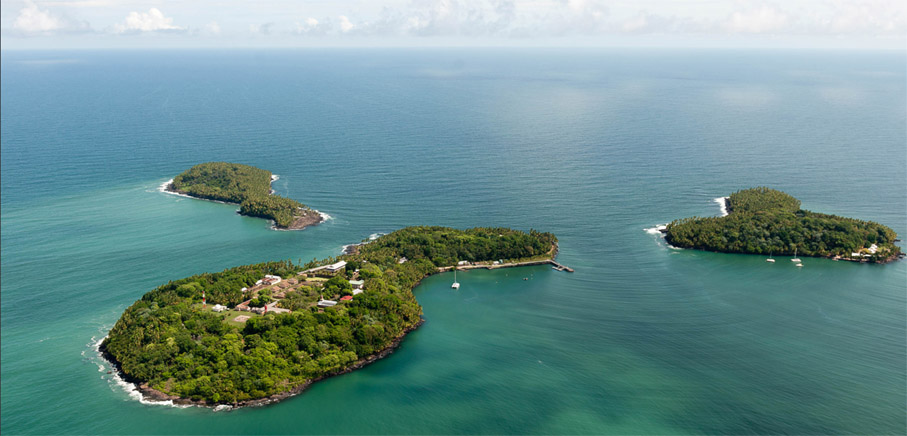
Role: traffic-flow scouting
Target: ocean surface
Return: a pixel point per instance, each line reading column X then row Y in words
column 593, row 145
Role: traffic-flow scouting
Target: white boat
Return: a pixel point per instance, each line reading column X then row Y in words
column 770, row 258
column 800, row 265
column 455, row 285
column 795, row 259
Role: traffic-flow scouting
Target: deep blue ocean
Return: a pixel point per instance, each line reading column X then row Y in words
column 592, row 145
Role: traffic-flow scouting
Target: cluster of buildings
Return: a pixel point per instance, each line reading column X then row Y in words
column 872, row 250
column 357, row 286
column 280, row 287
column 269, row 280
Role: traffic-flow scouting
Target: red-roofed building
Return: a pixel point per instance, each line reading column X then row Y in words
column 346, row 298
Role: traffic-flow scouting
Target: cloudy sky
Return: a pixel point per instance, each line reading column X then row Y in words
column 863, row 24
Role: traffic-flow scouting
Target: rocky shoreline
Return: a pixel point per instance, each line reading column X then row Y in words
column 309, row 217
column 151, row 394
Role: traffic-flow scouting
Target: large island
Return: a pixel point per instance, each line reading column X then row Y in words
column 766, row 221
column 246, row 186
column 260, row 333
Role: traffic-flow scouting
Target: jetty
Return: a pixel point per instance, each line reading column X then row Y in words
column 560, row 267
column 496, row 265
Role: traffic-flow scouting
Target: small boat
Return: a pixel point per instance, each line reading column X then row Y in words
column 455, row 284
column 770, row 258
column 795, row 259
column 800, row 265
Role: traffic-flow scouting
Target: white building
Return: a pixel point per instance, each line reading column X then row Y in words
column 219, row 308
column 336, row 266
column 271, row 280
column 326, row 303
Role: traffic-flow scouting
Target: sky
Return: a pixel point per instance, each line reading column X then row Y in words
column 98, row 24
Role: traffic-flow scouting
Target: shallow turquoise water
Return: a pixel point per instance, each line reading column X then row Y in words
column 594, row 146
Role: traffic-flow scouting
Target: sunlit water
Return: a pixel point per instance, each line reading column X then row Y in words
column 594, row 146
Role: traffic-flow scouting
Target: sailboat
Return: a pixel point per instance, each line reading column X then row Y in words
column 795, row 259
column 770, row 258
column 455, row 284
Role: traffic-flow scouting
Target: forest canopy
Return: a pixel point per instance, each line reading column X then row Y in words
column 177, row 345
column 767, row 221
column 245, row 185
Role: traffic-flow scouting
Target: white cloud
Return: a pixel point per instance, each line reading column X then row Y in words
column 87, row 3
column 212, row 28
column 763, row 19
column 261, row 29
column 33, row 20
column 645, row 22
column 867, row 17
column 345, row 24
column 151, row 21
column 311, row 26
column 493, row 21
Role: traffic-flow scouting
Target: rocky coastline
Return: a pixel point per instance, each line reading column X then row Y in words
column 307, row 217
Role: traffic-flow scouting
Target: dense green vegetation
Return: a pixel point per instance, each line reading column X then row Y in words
column 169, row 340
column 245, row 185
column 764, row 221
column 445, row 246
column 280, row 209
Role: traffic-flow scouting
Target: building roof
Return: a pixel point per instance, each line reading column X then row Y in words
column 346, row 298
column 357, row 282
column 336, row 266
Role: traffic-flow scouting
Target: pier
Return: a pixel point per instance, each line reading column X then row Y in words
column 555, row 265
column 560, row 267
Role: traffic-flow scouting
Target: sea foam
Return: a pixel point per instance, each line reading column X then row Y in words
column 163, row 188
column 130, row 388
column 657, row 230
column 372, row 237
column 722, row 204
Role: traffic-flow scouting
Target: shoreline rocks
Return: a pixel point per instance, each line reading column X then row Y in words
column 309, row 217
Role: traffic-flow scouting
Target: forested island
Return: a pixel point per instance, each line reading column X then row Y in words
column 766, row 221
column 260, row 333
column 246, row 186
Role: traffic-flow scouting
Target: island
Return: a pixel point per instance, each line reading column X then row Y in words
column 770, row 222
column 248, row 187
column 255, row 334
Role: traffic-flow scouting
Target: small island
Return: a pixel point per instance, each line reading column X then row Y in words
column 770, row 222
column 255, row 334
column 248, row 187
